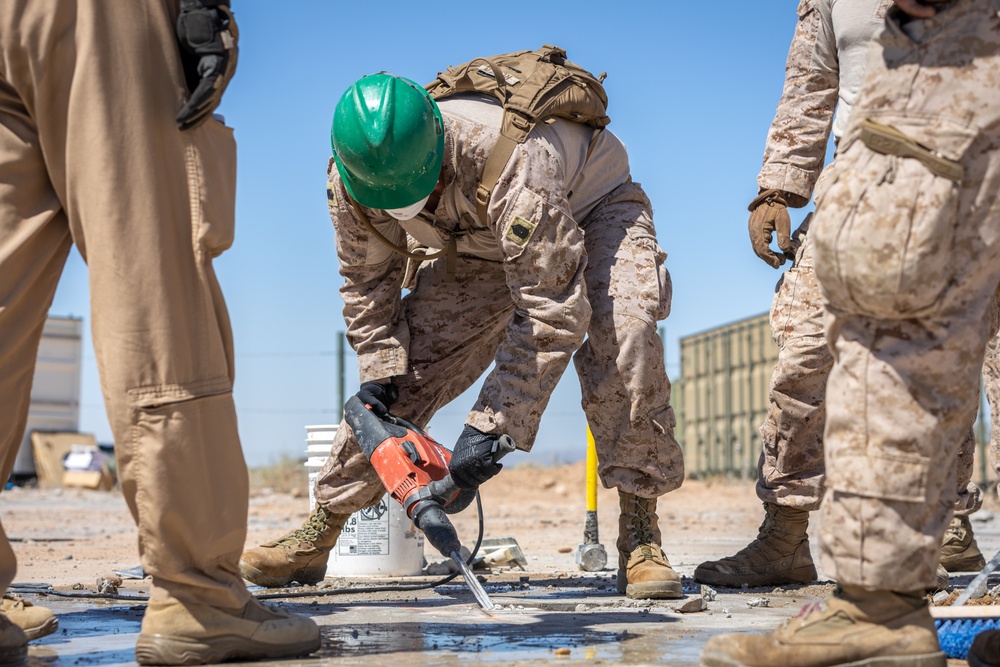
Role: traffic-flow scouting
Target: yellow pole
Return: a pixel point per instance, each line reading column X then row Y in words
column 591, row 472
column 591, row 555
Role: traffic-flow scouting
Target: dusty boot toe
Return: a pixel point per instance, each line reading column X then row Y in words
column 870, row 629
column 34, row 620
column 648, row 576
column 180, row 633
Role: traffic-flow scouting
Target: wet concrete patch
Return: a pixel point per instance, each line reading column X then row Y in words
column 504, row 641
column 92, row 633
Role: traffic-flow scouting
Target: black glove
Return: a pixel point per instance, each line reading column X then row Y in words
column 474, row 459
column 379, row 396
column 207, row 34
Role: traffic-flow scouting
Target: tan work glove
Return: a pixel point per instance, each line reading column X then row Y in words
column 921, row 9
column 769, row 214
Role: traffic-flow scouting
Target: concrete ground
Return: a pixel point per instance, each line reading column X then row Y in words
column 551, row 612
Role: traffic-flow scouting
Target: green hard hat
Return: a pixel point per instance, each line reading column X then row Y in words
column 388, row 141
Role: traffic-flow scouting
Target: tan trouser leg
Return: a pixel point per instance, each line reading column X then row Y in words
column 34, row 242
column 791, row 467
column 626, row 393
column 791, row 461
column 148, row 207
column 991, row 386
column 908, row 262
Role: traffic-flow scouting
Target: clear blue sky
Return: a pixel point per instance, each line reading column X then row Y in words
column 692, row 89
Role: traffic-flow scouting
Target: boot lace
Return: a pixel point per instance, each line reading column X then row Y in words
column 640, row 523
column 310, row 532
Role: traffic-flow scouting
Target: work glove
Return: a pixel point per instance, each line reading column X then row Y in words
column 921, row 9
column 769, row 214
column 475, row 458
column 208, row 35
column 378, row 396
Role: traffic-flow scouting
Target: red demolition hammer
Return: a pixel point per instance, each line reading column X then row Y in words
column 413, row 468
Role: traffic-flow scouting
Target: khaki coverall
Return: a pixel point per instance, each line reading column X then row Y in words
column 569, row 250
column 90, row 154
column 791, row 467
column 908, row 263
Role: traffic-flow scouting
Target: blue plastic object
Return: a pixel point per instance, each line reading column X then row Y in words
column 956, row 634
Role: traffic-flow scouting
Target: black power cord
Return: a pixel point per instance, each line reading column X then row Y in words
column 48, row 590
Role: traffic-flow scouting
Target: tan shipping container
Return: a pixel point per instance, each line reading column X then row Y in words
column 721, row 398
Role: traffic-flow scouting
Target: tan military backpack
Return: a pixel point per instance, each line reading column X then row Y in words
column 536, row 86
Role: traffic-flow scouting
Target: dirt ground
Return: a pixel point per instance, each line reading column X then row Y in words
column 71, row 538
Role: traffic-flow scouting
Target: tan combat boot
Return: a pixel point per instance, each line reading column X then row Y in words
column 858, row 628
column 779, row 555
column 34, row 620
column 959, row 551
column 184, row 633
column 13, row 644
column 300, row 556
column 643, row 569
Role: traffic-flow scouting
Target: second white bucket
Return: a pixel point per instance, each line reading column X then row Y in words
column 379, row 541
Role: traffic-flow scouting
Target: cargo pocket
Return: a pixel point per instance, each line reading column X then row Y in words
column 881, row 475
column 653, row 287
column 210, row 156
column 885, row 227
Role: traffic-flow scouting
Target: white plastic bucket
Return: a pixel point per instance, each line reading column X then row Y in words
column 319, row 441
column 380, row 541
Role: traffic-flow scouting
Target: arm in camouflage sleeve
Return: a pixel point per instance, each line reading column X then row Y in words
column 372, row 289
column 797, row 140
column 544, row 260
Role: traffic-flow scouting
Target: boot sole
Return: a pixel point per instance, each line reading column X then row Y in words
column 716, row 659
column 655, row 590
column 649, row 590
column 168, row 650
column 47, row 628
column 303, row 576
column 800, row 575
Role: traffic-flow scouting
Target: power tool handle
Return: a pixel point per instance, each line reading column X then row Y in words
column 443, row 489
column 503, row 446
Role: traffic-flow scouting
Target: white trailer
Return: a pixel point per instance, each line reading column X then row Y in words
column 55, row 390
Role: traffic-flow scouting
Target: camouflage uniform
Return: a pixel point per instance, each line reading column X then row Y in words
column 907, row 262
column 791, row 467
column 569, row 251
column 991, row 385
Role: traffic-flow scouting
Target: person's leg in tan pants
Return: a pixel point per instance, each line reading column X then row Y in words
column 90, row 154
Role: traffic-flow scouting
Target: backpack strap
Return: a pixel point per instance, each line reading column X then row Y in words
column 495, row 163
column 451, row 249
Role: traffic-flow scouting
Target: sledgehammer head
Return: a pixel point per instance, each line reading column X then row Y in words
column 591, row 557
